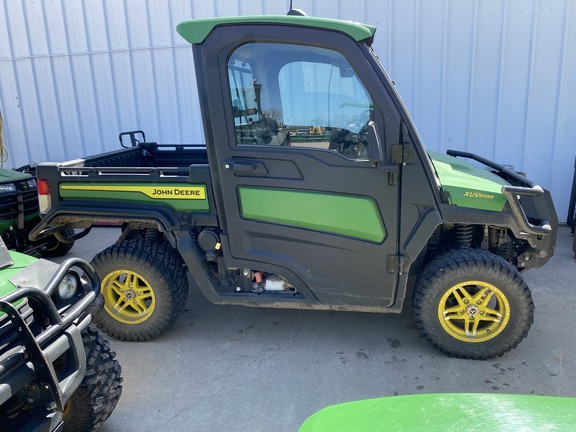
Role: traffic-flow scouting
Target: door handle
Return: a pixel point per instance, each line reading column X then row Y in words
column 245, row 167
column 241, row 166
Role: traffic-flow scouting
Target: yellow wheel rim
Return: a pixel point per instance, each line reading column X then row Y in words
column 128, row 297
column 474, row 311
column 50, row 249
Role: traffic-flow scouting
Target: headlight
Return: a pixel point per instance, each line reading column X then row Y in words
column 68, row 287
column 7, row 188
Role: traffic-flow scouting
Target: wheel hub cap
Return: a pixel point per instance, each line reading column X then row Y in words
column 473, row 311
column 128, row 297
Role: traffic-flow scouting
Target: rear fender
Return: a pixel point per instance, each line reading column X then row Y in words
column 83, row 217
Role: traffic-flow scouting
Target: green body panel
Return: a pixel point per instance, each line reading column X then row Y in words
column 468, row 185
column 9, row 176
column 195, row 31
column 180, row 197
column 5, row 224
column 349, row 215
column 448, row 412
column 21, row 262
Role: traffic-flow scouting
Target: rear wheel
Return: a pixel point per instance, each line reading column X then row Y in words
column 470, row 303
column 144, row 287
column 95, row 399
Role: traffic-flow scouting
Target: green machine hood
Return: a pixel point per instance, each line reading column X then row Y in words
column 466, row 185
column 447, row 412
column 8, row 176
column 21, row 262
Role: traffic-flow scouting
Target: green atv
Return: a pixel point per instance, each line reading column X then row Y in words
column 19, row 214
column 56, row 371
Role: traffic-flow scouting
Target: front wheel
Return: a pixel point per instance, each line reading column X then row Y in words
column 95, row 399
column 54, row 247
column 144, row 286
column 470, row 303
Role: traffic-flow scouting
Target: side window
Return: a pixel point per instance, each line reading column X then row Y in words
column 298, row 96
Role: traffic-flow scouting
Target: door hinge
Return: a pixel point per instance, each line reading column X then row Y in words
column 402, row 154
column 396, row 264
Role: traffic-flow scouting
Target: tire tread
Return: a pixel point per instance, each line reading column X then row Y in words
column 98, row 395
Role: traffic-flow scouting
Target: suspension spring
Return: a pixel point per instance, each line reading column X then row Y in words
column 153, row 234
column 464, row 235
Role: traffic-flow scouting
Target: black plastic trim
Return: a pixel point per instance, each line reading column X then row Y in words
column 78, row 216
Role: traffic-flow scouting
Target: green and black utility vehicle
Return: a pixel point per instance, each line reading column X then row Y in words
column 56, row 371
column 19, row 214
column 313, row 191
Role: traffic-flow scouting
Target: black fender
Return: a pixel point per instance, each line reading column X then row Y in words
column 73, row 216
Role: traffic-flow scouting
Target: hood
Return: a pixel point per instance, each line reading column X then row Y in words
column 21, row 262
column 8, row 175
column 466, row 185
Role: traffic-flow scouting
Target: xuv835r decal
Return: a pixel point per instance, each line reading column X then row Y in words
column 181, row 197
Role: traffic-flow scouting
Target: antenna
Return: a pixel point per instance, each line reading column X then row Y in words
column 298, row 12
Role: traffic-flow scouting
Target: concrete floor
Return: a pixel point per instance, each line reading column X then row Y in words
column 230, row 368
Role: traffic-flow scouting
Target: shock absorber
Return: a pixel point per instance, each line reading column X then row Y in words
column 464, row 235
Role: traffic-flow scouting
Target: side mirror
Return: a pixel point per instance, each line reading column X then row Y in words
column 375, row 149
column 346, row 72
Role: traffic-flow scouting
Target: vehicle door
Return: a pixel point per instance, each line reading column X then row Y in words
column 297, row 193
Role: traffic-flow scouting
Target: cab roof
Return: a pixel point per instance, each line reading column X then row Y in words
column 195, row 31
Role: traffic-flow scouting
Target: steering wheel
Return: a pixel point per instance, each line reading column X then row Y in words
column 352, row 145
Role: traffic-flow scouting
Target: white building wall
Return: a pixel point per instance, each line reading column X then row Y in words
column 495, row 77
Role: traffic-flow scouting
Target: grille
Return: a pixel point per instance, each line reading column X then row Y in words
column 25, row 200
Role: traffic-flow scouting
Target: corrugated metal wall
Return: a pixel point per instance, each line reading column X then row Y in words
column 496, row 77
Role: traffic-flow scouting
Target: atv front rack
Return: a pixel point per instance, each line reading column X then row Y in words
column 29, row 364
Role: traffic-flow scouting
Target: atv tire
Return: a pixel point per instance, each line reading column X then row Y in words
column 144, row 286
column 95, row 399
column 54, row 247
column 470, row 303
